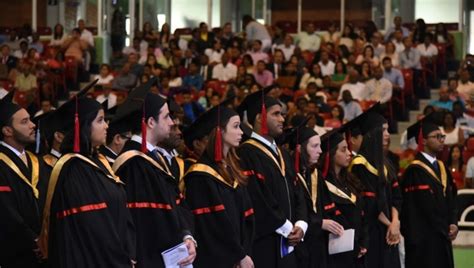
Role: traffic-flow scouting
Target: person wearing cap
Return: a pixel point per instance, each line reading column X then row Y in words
column 152, row 193
column 20, row 194
column 429, row 216
column 307, row 150
column 218, row 198
column 280, row 210
column 346, row 205
column 118, row 134
column 381, row 192
column 85, row 220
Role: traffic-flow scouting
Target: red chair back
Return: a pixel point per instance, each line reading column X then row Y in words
column 408, row 77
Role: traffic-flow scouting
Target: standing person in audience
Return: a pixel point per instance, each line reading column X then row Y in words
column 453, row 134
column 379, row 88
column 456, row 165
column 280, row 211
column 346, row 205
column 309, row 40
column 429, row 215
column 398, row 41
column 255, row 31
column 397, row 26
column 465, row 87
column 410, row 59
column 205, row 38
column 105, row 76
column 58, row 36
column 217, row 195
column 74, row 46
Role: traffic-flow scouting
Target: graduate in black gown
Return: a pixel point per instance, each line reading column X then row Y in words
column 312, row 252
column 381, row 190
column 153, row 196
column 86, row 222
column 346, row 202
column 280, row 208
column 216, row 193
column 20, row 195
column 429, row 216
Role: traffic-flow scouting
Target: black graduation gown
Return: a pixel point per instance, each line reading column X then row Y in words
column 312, row 252
column 351, row 215
column 223, row 217
column 90, row 225
column 20, row 211
column 428, row 209
column 109, row 155
column 275, row 199
column 155, row 205
column 378, row 197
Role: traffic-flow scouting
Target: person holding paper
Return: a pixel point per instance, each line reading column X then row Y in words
column 312, row 252
column 345, row 191
column 429, row 215
column 280, row 209
column 381, row 193
column 218, row 198
column 86, row 222
column 153, row 197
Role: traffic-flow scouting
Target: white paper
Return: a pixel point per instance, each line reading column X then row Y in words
column 343, row 243
column 172, row 256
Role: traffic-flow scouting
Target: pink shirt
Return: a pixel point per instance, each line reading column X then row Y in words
column 264, row 79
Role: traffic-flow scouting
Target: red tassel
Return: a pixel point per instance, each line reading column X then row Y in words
column 143, row 148
column 264, row 127
column 297, row 158
column 77, row 140
column 420, row 146
column 326, row 165
column 218, row 145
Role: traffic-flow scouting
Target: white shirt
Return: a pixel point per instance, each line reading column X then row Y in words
column 104, row 80
column 224, row 73
column 327, row 69
column 176, row 82
column 287, row 51
column 379, row 90
column 428, row 157
column 465, row 90
column 214, row 56
column 40, row 112
column 310, row 42
column 87, row 36
column 470, row 168
column 256, row 31
column 3, row 92
column 272, row 145
column 55, row 153
column 399, row 46
column 165, row 153
column 15, row 151
column 429, row 51
column 112, row 99
column 150, row 147
column 358, row 91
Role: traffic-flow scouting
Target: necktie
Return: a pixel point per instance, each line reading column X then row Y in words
column 162, row 160
column 436, row 167
column 24, row 159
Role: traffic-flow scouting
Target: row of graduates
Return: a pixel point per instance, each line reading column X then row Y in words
column 241, row 195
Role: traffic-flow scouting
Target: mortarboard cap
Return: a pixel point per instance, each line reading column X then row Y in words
column 7, row 109
column 329, row 141
column 255, row 103
column 422, row 128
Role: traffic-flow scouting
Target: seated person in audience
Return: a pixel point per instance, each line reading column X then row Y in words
column 453, row 90
column 312, row 92
column 287, row 47
column 397, row 27
column 175, row 79
column 351, row 107
column 109, row 96
column 379, row 88
column 8, row 61
column 309, row 40
column 192, row 109
column 205, row 70
column 337, row 117
column 444, row 102
column 368, row 56
column 13, row 40
column 193, row 79
column 58, row 36
column 188, row 58
column 358, row 90
column 45, row 107
column 410, row 57
column 26, row 82
column 257, row 53
column 376, row 43
column 277, row 66
column 74, row 46
column 428, row 50
column 469, row 180
column 166, row 60
column 224, row 71
column 22, row 53
column 105, row 76
column 248, row 63
column 398, row 41
column 391, row 53
column 454, row 134
column 125, row 80
column 263, row 77
column 332, row 35
column 208, row 99
column 134, row 47
column 36, row 43
column 3, row 91
column 339, row 77
column 313, row 75
column 135, row 67
column 393, row 75
column 465, row 86
column 327, row 65
column 86, row 35
column 365, row 71
column 215, row 53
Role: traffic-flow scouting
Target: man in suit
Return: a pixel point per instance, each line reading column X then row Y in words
column 277, row 66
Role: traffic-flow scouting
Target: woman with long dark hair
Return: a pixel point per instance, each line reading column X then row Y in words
column 86, row 222
column 456, row 165
column 381, row 193
column 217, row 196
column 307, row 150
column 346, row 196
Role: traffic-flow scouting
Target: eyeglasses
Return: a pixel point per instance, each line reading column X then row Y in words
column 438, row 136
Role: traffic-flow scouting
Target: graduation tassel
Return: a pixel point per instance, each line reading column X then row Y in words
column 420, row 146
column 218, row 142
column 38, row 138
column 326, row 163
column 143, row 147
column 297, row 153
column 77, row 141
column 263, row 113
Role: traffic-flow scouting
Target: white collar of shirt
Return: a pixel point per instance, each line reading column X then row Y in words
column 18, row 153
column 110, row 150
column 165, row 153
column 138, row 139
column 272, row 145
column 430, row 158
column 55, row 153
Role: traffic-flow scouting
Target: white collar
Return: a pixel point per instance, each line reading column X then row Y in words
column 18, row 153
column 110, row 150
column 165, row 153
column 258, row 137
column 430, row 158
column 138, row 139
column 55, row 153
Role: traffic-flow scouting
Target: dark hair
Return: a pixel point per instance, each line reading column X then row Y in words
column 387, row 59
column 233, row 171
column 345, row 176
column 452, row 115
column 372, row 149
column 341, row 111
column 84, row 135
column 56, row 35
column 450, row 157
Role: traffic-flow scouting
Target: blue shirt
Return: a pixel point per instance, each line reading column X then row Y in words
column 351, row 109
column 193, row 81
column 395, row 76
column 448, row 105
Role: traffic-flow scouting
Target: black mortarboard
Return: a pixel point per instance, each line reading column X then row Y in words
column 254, row 103
column 7, row 109
column 329, row 141
column 370, row 119
column 422, row 128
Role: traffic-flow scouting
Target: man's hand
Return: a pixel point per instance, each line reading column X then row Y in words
column 362, row 252
column 192, row 253
column 453, row 231
column 295, row 236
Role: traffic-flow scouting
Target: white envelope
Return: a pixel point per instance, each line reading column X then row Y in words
column 343, row 243
column 172, row 256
